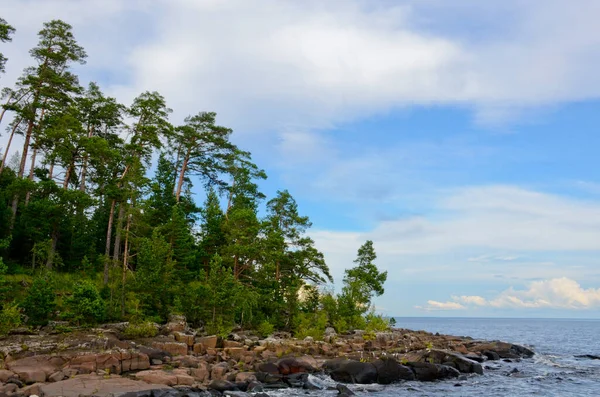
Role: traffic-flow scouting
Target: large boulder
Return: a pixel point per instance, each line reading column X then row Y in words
column 355, row 372
column 427, row 372
column 222, row 385
column 456, row 360
column 293, row 365
column 503, row 349
column 390, row 371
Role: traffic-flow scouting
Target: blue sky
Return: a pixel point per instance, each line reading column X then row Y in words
column 460, row 137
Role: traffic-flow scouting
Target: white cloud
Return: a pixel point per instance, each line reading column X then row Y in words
column 557, row 293
column 276, row 65
column 435, row 305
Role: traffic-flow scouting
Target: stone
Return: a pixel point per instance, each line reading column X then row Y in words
column 232, row 343
column 270, row 368
column 173, row 348
column 5, row 375
column 35, row 389
column 185, row 380
column 235, row 353
column 202, row 373
column 9, row 388
column 456, row 360
column 57, row 376
column 31, row 375
column 199, row 348
column 209, row 342
column 491, row 355
column 314, row 383
column 184, row 338
column 233, row 393
column 292, row 365
column 355, row 372
column 246, row 377
column 222, row 385
column 390, row 371
column 427, row 372
column 92, row 385
column 343, row 390
column 219, row 371
column 157, row 377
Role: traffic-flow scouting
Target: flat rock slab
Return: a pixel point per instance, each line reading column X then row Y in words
column 93, row 385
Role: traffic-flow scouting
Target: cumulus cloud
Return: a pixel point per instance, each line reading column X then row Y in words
column 311, row 64
column 435, row 305
column 557, row 293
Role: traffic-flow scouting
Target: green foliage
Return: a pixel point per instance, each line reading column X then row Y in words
column 86, row 306
column 10, row 317
column 140, row 330
column 265, row 328
column 376, row 322
column 312, row 325
column 40, row 301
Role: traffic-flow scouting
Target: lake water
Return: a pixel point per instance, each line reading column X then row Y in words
column 553, row 371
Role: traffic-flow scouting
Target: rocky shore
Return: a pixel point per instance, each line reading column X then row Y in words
column 181, row 362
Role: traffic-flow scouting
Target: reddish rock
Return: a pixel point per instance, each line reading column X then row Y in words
column 184, row 338
column 5, row 374
column 88, row 385
column 9, row 388
column 199, row 348
column 31, row 375
column 185, row 380
column 157, row 377
column 202, row 373
column 219, row 371
column 174, row 348
column 245, row 377
column 56, row 377
column 35, row 389
column 235, row 353
column 209, row 342
column 232, row 343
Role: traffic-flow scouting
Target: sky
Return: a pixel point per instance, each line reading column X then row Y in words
column 461, row 137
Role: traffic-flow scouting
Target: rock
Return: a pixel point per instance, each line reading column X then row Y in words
column 157, row 377
column 154, row 353
column 5, row 375
column 201, row 373
column 57, row 376
column 222, row 385
column 296, row 380
column 173, row 348
column 270, row 368
column 329, row 331
column 503, row 349
column 355, row 372
column 254, row 387
column 15, row 381
column 456, row 360
column 35, row 389
column 268, row 378
column 589, row 356
column 245, row 377
column 475, row 357
column 491, row 355
column 209, row 342
column 9, row 388
column 292, row 365
column 232, row 343
column 309, row 339
column 427, row 372
column 390, row 371
column 219, row 371
column 31, row 375
column 343, row 390
column 92, row 385
column 335, row 363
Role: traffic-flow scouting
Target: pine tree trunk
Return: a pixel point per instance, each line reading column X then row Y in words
column 125, row 266
column 182, row 174
column 12, row 134
column 85, row 163
column 111, row 217
column 68, row 175
column 117, row 249
column 31, row 173
column 52, row 250
column 51, row 171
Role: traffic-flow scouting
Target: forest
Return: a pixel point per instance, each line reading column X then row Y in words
column 98, row 222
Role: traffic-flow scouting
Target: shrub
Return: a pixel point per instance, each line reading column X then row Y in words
column 312, row 325
column 10, row 318
column 140, row 330
column 265, row 329
column 376, row 323
column 86, row 305
column 40, row 301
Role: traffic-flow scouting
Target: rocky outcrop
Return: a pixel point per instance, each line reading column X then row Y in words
column 390, row 371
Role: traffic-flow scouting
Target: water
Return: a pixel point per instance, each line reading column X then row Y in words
column 553, row 371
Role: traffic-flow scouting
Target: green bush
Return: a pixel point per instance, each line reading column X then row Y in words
column 265, row 329
column 10, row 318
column 312, row 325
column 40, row 301
column 376, row 323
column 86, row 306
column 140, row 330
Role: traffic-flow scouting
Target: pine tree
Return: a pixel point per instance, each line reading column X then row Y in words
column 6, row 32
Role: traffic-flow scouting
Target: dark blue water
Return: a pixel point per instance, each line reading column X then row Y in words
column 553, row 371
